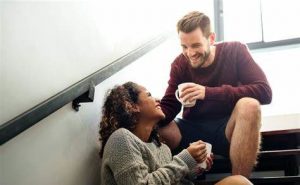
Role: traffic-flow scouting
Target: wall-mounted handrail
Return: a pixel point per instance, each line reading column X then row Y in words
column 27, row 119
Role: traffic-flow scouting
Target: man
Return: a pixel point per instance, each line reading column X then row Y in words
column 228, row 87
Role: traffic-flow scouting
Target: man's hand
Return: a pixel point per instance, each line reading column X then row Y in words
column 193, row 92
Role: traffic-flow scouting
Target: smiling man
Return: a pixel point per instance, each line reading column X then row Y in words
column 228, row 87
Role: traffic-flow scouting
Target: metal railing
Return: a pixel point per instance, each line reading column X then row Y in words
column 81, row 91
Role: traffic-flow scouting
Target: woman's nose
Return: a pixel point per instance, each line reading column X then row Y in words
column 157, row 100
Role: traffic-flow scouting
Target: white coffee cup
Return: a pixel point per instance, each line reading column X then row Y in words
column 178, row 93
column 208, row 151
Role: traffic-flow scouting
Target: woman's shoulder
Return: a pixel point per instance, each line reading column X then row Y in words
column 119, row 140
column 121, row 134
column 124, row 138
column 122, row 142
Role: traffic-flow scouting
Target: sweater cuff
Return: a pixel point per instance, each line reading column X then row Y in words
column 188, row 159
column 214, row 93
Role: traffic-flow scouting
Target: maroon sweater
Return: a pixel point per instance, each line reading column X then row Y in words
column 232, row 75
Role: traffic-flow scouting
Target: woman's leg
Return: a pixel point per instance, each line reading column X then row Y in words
column 234, row 180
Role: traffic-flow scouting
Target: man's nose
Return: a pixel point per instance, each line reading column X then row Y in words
column 190, row 52
column 157, row 100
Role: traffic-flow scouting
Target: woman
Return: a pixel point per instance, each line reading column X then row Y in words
column 131, row 150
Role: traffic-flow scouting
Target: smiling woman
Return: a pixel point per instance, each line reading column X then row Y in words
column 132, row 152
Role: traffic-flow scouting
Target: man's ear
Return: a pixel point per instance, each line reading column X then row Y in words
column 132, row 107
column 211, row 38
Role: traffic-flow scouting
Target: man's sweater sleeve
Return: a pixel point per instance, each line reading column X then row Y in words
column 253, row 81
column 169, row 104
column 128, row 165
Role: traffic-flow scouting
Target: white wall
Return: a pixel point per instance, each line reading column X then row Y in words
column 281, row 67
column 63, row 148
column 47, row 46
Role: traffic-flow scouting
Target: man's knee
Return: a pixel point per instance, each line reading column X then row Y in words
column 249, row 108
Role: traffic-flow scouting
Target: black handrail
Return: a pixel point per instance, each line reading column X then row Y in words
column 27, row 119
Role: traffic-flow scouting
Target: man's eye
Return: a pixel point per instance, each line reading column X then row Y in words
column 197, row 46
column 149, row 94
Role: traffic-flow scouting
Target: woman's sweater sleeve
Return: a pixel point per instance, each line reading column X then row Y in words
column 128, row 166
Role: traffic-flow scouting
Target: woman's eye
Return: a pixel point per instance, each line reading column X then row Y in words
column 149, row 94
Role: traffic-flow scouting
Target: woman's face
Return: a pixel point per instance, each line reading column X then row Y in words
column 149, row 106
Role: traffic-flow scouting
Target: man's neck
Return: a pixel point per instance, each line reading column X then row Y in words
column 211, row 57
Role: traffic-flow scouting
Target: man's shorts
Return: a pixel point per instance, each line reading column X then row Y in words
column 208, row 130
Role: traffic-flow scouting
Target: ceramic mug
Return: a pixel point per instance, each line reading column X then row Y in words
column 178, row 93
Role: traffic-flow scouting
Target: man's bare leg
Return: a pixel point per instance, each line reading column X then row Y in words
column 243, row 133
column 170, row 135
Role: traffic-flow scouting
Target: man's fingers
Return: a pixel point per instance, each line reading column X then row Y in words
column 190, row 96
column 185, row 93
column 187, row 86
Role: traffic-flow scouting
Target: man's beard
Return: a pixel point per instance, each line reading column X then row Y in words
column 201, row 60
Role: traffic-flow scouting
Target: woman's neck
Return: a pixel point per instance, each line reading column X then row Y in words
column 143, row 130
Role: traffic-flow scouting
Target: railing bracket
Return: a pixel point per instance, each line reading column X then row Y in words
column 88, row 96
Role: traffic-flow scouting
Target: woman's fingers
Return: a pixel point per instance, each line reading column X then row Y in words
column 209, row 162
column 212, row 156
column 201, row 156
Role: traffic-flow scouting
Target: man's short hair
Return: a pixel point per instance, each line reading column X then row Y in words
column 194, row 20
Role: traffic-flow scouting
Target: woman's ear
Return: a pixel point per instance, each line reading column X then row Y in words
column 132, row 107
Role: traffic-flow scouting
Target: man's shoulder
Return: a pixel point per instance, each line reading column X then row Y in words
column 180, row 60
column 230, row 45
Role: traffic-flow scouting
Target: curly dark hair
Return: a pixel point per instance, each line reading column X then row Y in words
column 118, row 112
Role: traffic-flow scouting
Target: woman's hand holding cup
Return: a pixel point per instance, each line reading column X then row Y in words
column 198, row 151
column 201, row 152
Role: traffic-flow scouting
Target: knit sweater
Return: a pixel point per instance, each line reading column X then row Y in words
column 130, row 161
column 233, row 75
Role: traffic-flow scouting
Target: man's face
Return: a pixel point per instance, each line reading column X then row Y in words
column 195, row 46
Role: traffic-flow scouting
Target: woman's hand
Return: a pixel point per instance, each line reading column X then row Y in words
column 198, row 151
column 209, row 162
